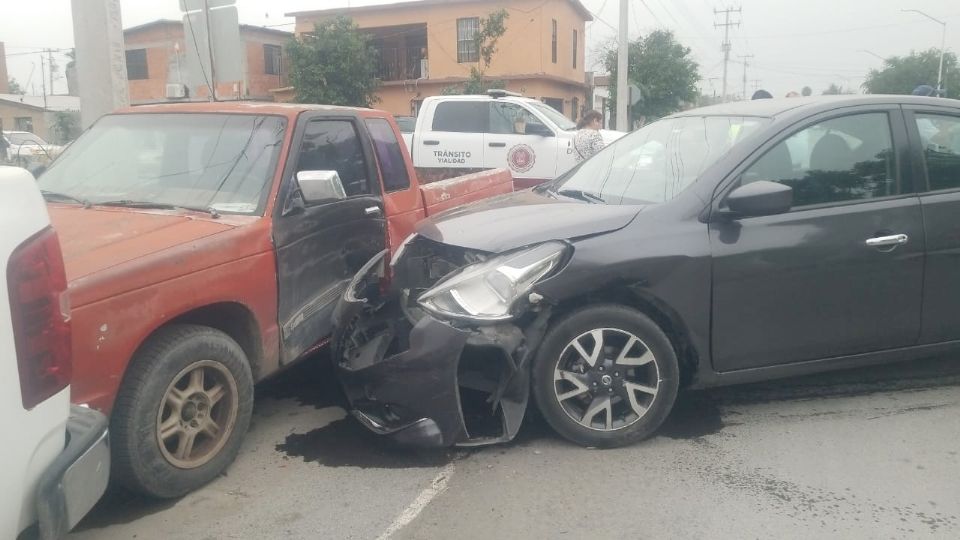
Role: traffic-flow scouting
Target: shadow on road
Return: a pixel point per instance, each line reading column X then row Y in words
column 345, row 443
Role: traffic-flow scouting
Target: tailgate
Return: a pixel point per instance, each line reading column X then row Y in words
column 460, row 190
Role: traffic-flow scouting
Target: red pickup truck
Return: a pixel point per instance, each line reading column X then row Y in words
column 206, row 245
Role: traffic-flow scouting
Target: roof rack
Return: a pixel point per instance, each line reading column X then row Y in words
column 499, row 93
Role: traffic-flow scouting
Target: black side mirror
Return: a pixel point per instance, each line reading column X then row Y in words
column 760, row 198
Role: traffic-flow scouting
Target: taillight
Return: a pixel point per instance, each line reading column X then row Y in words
column 40, row 310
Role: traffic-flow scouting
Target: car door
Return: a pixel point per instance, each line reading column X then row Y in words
column 518, row 140
column 454, row 139
column 935, row 134
column 321, row 246
column 839, row 274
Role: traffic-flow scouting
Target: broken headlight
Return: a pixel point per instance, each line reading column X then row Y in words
column 487, row 291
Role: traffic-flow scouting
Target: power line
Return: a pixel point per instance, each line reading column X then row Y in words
column 725, row 47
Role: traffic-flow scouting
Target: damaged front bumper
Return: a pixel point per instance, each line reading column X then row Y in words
column 427, row 382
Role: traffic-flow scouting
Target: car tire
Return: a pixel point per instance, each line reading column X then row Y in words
column 591, row 405
column 172, row 429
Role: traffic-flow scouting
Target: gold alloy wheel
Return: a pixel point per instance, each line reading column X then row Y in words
column 197, row 414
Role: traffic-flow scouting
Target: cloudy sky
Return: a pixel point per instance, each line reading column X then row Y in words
column 794, row 42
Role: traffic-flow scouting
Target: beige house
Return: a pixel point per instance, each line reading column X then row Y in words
column 428, row 45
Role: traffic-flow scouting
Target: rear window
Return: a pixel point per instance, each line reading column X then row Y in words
column 389, row 154
column 461, row 116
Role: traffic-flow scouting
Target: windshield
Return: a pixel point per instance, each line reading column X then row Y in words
column 658, row 162
column 17, row 139
column 195, row 161
column 553, row 115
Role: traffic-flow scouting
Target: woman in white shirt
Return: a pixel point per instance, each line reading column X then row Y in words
column 588, row 140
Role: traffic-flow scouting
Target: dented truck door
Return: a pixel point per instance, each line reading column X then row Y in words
column 322, row 244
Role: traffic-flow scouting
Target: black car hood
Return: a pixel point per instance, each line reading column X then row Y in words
column 522, row 218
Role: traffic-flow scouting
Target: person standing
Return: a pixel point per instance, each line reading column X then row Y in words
column 588, row 140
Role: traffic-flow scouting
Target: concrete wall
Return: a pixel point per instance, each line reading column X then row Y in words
column 524, row 54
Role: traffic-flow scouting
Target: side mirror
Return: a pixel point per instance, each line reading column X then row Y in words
column 760, row 198
column 539, row 129
column 320, row 186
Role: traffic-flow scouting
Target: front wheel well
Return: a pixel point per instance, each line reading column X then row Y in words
column 233, row 319
column 667, row 319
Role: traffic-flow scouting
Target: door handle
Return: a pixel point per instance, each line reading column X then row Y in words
column 497, row 145
column 373, row 211
column 892, row 240
column 431, row 143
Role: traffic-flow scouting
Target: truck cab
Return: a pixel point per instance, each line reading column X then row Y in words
column 206, row 245
column 498, row 130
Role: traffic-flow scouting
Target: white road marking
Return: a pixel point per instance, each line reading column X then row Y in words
column 410, row 513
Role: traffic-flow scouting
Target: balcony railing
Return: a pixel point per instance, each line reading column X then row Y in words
column 401, row 63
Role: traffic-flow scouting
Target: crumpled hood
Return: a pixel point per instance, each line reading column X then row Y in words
column 95, row 239
column 522, row 218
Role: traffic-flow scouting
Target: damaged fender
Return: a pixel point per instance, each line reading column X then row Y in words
column 427, row 382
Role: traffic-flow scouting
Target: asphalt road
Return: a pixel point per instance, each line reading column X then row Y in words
column 872, row 453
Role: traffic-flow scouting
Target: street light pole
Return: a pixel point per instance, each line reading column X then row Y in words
column 943, row 44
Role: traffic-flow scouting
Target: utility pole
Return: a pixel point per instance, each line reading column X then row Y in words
column 746, row 62
column 623, row 92
column 726, row 24
column 756, row 84
column 43, row 81
column 213, row 68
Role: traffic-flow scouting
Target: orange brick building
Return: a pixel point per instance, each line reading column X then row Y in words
column 156, row 58
column 427, row 45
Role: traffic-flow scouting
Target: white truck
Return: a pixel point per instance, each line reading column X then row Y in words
column 498, row 130
column 56, row 459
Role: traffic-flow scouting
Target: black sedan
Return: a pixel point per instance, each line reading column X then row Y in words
column 721, row 245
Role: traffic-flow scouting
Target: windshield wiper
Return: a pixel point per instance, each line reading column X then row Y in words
column 126, row 203
column 582, row 195
column 63, row 197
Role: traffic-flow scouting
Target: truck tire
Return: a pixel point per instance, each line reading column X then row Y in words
column 605, row 376
column 182, row 411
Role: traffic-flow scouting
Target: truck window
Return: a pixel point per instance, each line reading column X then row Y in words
column 333, row 145
column 510, row 118
column 461, row 117
column 392, row 165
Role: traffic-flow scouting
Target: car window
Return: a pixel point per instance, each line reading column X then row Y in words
column 940, row 140
column 333, row 145
column 842, row 159
column 221, row 161
column 510, row 118
column 461, row 116
column 25, row 139
column 659, row 161
column 392, row 165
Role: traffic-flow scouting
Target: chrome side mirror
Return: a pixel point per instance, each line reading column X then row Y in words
column 320, row 186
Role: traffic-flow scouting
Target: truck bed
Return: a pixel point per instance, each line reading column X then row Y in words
column 446, row 194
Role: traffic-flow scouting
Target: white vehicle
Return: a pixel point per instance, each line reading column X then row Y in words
column 56, row 459
column 26, row 148
column 498, row 130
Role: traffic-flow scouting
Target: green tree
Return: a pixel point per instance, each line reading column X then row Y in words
column 66, row 126
column 15, row 87
column 901, row 74
column 806, row 91
column 491, row 30
column 835, row 90
column 663, row 69
column 336, row 64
